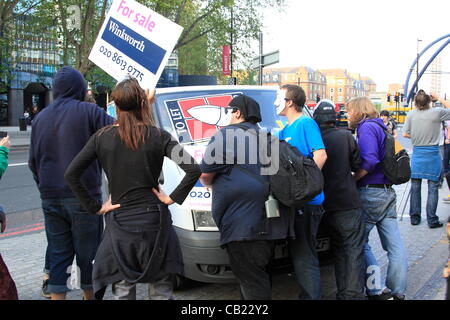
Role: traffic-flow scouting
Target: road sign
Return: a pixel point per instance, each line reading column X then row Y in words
column 135, row 41
column 267, row 59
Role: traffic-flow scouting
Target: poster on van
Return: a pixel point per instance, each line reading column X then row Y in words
column 197, row 119
column 135, row 41
column 200, row 197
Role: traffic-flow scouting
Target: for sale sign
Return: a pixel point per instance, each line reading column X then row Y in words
column 136, row 41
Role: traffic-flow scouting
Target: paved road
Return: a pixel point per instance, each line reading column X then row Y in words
column 17, row 188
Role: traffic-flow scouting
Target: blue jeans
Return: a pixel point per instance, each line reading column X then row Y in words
column 415, row 208
column 71, row 232
column 304, row 254
column 379, row 208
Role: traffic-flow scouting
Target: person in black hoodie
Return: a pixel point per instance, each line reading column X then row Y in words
column 59, row 132
column 342, row 205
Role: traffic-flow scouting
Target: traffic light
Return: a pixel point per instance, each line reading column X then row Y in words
column 317, row 98
column 402, row 96
column 396, row 97
column 388, row 97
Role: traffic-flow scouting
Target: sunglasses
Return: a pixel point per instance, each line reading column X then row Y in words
column 231, row 110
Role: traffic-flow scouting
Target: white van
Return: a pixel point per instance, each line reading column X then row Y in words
column 193, row 115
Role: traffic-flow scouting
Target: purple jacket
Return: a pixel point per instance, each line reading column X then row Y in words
column 371, row 142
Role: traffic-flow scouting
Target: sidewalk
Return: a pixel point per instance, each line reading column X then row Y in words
column 18, row 138
column 427, row 254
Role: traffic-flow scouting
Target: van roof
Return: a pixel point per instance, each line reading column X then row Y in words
column 213, row 88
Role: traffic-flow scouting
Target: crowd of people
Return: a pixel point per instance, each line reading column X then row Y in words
column 129, row 238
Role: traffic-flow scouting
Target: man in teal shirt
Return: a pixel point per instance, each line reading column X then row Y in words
column 303, row 133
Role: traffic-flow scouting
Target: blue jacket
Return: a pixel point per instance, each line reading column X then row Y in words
column 59, row 133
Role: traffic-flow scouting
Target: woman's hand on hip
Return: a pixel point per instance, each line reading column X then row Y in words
column 162, row 196
column 107, row 207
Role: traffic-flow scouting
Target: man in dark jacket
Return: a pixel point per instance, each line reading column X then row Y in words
column 59, row 133
column 342, row 205
column 239, row 192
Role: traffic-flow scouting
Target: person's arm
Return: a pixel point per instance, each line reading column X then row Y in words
column 32, row 160
column 361, row 173
column 355, row 157
column 73, row 177
column 320, row 157
column 4, row 151
column 436, row 97
column 368, row 146
column 407, row 128
column 216, row 158
column 173, row 150
column 315, row 143
column 207, row 179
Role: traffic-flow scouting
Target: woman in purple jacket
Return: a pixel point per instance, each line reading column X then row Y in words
column 378, row 200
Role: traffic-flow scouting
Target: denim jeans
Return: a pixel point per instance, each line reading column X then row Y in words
column 304, row 254
column 347, row 231
column 379, row 210
column 250, row 262
column 415, row 209
column 71, row 232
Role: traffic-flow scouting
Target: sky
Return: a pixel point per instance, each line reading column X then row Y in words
column 377, row 39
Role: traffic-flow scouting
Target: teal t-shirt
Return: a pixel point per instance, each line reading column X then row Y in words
column 304, row 134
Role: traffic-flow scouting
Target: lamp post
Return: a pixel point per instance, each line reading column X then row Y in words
column 417, row 87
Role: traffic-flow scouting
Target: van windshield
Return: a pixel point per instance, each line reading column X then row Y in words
column 194, row 117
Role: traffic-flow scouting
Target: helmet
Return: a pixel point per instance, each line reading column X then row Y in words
column 325, row 112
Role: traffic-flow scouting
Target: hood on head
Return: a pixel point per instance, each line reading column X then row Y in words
column 248, row 106
column 69, row 83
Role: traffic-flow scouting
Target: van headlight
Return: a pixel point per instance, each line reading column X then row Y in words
column 203, row 221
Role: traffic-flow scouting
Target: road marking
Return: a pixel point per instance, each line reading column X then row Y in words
column 18, row 164
column 21, row 232
column 25, row 227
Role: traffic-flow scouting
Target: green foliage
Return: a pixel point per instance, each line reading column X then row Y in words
column 206, row 23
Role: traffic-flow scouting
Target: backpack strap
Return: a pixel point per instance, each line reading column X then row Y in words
column 382, row 127
column 245, row 127
column 252, row 174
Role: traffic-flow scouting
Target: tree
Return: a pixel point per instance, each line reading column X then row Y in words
column 207, row 27
column 8, row 10
column 76, row 39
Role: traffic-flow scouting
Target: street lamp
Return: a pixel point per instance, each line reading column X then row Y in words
column 417, row 86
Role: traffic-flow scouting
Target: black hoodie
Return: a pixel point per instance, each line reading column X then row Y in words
column 343, row 155
column 59, row 133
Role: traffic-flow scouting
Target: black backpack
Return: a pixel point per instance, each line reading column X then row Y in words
column 396, row 165
column 298, row 179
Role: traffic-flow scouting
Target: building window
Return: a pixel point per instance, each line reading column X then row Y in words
column 332, row 90
column 340, row 99
column 340, row 90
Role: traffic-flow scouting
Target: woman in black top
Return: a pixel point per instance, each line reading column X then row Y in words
column 139, row 244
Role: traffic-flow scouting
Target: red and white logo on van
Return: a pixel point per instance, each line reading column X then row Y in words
column 198, row 119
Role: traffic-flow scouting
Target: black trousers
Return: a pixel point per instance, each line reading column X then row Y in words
column 250, row 262
column 347, row 243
